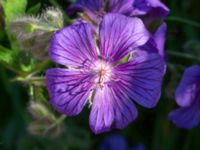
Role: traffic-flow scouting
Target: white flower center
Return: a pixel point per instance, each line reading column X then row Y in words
column 103, row 72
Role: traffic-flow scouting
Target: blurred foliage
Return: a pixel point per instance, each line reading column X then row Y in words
column 20, row 83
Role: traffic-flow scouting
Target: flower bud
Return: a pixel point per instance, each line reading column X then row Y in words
column 44, row 122
column 40, row 128
column 53, row 16
column 37, row 45
column 34, row 33
column 39, row 111
column 36, row 128
column 24, row 27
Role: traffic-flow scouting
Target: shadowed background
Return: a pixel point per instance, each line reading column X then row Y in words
column 151, row 128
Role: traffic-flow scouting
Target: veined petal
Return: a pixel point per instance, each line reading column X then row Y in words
column 68, row 90
column 111, row 108
column 73, row 45
column 121, row 6
column 155, row 7
column 156, row 42
column 119, row 35
column 93, row 8
column 158, row 9
column 185, row 117
column 140, row 7
column 141, row 78
column 188, row 87
column 150, row 47
column 91, row 5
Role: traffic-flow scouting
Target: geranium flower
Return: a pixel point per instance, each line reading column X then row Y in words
column 188, row 98
column 149, row 10
column 94, row 73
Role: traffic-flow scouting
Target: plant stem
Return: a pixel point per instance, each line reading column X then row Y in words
column 12, row 69
column 40, row 66
column 29, row 80
column 48, row 29
column 57, row 122
column 184, row 21
column 183, row 55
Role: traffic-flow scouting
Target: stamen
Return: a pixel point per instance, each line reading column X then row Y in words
column 103, row 73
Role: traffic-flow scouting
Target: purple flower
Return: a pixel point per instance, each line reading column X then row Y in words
column 114, row 142
column 95, row 9
column 150, row 10
column 118, row 142
column 138, row 147
column 94, row 72
column 188, row 98
column 157, row 41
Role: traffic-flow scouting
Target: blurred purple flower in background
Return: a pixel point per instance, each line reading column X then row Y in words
column 94, row 71
column 188, row 98
column 138, row 147
column 94, row 9
column 114, row 142
column 118, row 142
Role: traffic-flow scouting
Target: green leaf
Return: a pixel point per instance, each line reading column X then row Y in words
column 6, row 55
column 13, row 9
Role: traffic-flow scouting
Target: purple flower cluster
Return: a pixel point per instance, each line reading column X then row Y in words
column 111, row 61
column 188, row 98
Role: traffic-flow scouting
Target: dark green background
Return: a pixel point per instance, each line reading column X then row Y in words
column 151, row 127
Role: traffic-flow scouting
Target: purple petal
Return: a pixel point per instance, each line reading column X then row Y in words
column 156, row 42
column 141, row 7
column 121, row 6
column 111, row 108
column 150, row 46
column 158, row 9
column 153, row 7
column 156, row 14
column 141, row 78
column 90, row 5
column 159, row 37
column 68, row 90
column 119, row 35
column 79, row 21
column 93, row 8
column 73, row 45
column 188, row 87
column 114, row 142
column 185, row 117
column 187, row 96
